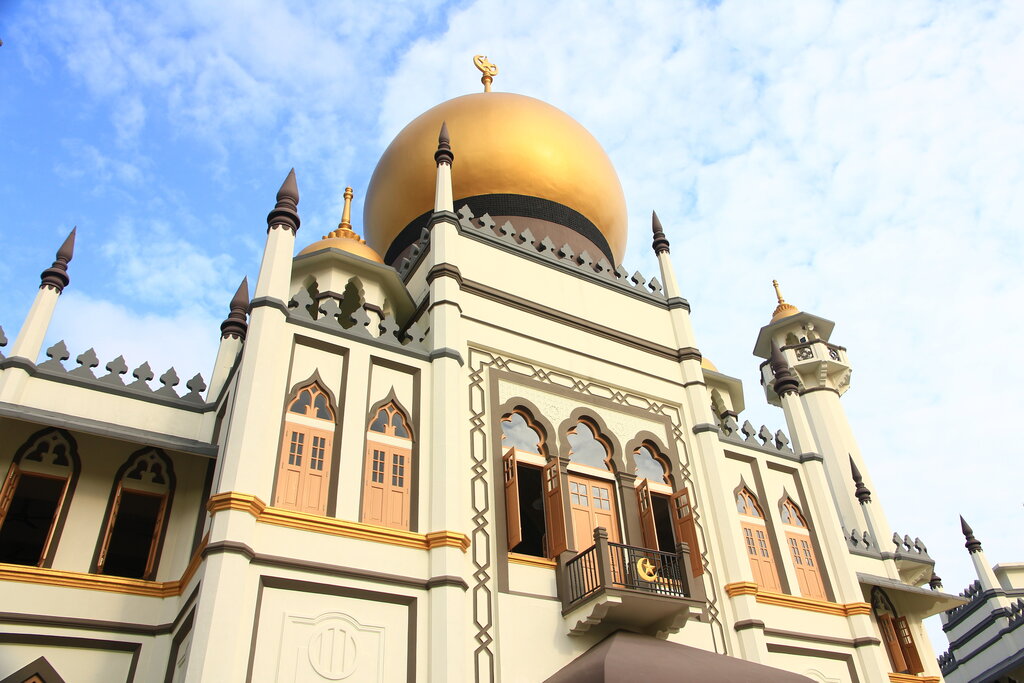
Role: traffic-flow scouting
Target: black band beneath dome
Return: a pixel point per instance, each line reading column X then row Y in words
column 508, row 205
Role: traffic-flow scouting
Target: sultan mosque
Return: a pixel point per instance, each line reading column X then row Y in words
column 473, row 447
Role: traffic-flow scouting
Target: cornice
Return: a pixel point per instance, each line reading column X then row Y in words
column 794, row 602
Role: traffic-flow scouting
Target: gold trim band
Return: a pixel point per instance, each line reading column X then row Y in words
column 532, row 561
column 232, row 500
column 912, row 678
column 810, row 605
column 100, row 582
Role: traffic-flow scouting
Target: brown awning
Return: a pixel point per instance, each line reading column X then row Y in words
column 625, row 657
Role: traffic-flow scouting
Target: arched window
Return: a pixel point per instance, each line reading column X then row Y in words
column 387, row 474
column 592, row 494
column 304, row 464
column 899, row 641
column 137, row 516
column 801, row 549
column 666, row 516
column 755, row 540
column 35, row 497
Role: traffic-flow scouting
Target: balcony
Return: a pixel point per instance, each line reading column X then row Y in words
column 614, row 585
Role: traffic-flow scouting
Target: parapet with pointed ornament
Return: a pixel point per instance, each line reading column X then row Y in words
column 56, row 276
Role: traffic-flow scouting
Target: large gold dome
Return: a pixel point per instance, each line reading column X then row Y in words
column 504, row 144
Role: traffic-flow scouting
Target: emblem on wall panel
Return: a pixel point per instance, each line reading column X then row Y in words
column 330, row 647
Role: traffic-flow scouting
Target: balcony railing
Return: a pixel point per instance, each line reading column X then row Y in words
column 648, row 585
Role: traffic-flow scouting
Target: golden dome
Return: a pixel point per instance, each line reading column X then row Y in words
column 344, row 238
column 504, row 144
column 706, row 363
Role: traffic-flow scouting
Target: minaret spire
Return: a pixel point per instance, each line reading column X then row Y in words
column 235, row 324
column 783, row 310
column 56, row 276
column 286, row 212
column 973, row 545
column 862, row 492
column 443, row 192
column 660, row 242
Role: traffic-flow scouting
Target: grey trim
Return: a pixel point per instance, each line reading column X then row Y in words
column 442, row 217
column 108, row 429
column 447, row 352
column 689, row 353
column 813, row 389
column 125, row 627
column 328, row 569
column 705, row 427
column 977, row 601
column 677, row 302
column 810, row 456
column 744, row 624
column 83, row 643
column 445, row 270
column 986, row 621
column 18, row 362
column 441, row 302
column 1003, row 667
column 486, row 292
column 728, row 443
column 808, row 652
column 186, row 628
column 824, row 640
column 269, row 301
column 359, row 338
column 695, row 383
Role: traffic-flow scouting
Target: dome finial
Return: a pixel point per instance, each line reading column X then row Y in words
column 660, row 242
column 488, row 70
column 783, row 310
column 345, row 226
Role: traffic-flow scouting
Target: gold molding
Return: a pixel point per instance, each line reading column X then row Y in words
column 244, row 502
column 912, row 678
column 795, row 602
column 532, row 561
column 100, row 582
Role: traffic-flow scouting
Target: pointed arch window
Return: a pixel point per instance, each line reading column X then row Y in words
column 666, row 516
column 756, row 541
column 304, row 463
column 801, row 548
column 387, row 474
column 137, row 516
column 35, row 497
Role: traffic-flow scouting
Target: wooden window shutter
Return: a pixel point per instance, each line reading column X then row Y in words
column 155, row 542
column 686, row 529
column 908, row 647
column 513, row 526
column 111, row 518
column 7, row 494
column 554, row 514
column 892, row 643
column 643, row 501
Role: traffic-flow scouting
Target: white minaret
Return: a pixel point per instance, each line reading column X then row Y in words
column 29, row 342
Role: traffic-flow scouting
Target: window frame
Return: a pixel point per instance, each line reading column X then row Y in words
column 309, row 426
column 394, row 447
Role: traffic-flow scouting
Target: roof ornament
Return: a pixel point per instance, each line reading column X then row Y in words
column 973, row 545
column 862, row 492
column 488, row 70
column 786, row 381
column 285, row 212
column 783, row 310
column 56, row 276
column 345, row 226
column 660, row 242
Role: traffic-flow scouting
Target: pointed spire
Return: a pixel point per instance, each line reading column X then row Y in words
column 783, row 310
column 973, row 545
column 785, row 379
column 935, row 583
column 56, row 275
column 346, row 212
column 444, row 155
column 660, row 243
column 286, row 213
column 235, row 324
column 862, row 492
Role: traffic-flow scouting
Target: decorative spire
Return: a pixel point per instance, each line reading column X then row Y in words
column 235, row 324
column 785, row 379
column 488, row 70
column 973, row 545
column 935, row 583
column 660, row 241
column 286, row 212
column 862, row 492
column 345, row 226
column 444, row 155
column 783, row 310
column 56, row 276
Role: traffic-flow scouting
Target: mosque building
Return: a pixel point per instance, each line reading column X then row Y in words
column 472, row 447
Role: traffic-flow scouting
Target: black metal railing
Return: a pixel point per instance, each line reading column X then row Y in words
column 617, row 565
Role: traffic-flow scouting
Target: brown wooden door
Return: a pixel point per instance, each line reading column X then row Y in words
column 554, row 514
column 387, row 486
column 646, row 510
column 513, row 524
column 685, row 529
column 592, row 504
column 892, row 643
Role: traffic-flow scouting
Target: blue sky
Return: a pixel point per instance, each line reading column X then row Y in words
column 870, row 155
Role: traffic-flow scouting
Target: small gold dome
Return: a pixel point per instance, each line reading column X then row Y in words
column 503, row 144
column 344, row 238
column 783, row 310
column 706, row 363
